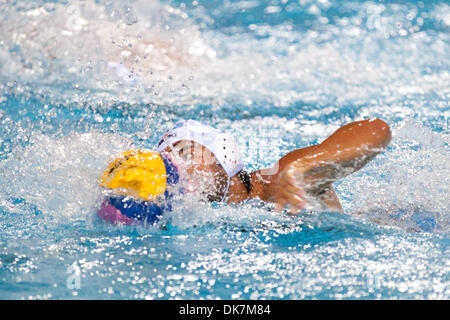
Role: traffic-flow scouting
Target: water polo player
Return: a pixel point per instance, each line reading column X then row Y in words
column 206, row 163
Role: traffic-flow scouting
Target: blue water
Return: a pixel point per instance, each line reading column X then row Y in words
column 82, row 81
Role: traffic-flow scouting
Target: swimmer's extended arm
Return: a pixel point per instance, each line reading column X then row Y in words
column 347, row 150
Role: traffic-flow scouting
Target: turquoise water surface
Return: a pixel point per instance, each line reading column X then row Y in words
column 81, row 81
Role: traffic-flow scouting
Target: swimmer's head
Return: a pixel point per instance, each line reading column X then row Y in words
column 200, row 171
column 209, row 157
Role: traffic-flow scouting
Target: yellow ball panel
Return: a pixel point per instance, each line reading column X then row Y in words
column 138, row 173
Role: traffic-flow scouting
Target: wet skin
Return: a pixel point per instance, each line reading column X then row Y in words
column 300, row 174
column 203, row 175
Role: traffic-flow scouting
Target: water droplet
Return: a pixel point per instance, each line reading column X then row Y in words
column 129, row 16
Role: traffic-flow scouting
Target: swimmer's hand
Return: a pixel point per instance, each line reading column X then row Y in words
column 288, row 190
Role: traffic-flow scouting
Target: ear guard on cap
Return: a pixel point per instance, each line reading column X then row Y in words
column 138, row 181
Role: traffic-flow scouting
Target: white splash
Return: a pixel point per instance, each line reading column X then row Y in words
column 155, row 53
column 60, row 176
column 410, row 181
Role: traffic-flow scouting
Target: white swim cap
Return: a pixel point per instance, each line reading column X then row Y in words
column 222, row 145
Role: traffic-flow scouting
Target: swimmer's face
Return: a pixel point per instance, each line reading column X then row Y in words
column 203, row 173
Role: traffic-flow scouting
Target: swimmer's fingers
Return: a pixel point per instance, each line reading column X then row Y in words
column 289, row 184
column 292, row 192
column 295, row 202
column 292, row 195
column 295, row 205
column 289, row 192
column 295, row 197
column 280, row 203
column 293, row 175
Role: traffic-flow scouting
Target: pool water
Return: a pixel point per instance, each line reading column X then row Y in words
column 82, row 81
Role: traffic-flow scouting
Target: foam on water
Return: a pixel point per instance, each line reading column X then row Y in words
column 83, row 81
column 378, row 56
column 59, row 176
column 408, row 183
